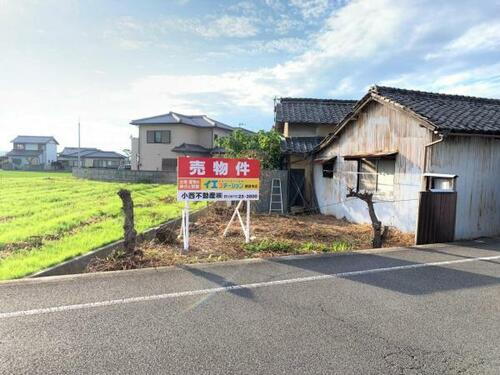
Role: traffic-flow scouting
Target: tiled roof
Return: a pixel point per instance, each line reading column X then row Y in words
column 25, row 153
column 73, row 151
column 188, row 147
column 85, row 152
column 454, row 113
column 299, row 145
column 199, row 121
column 312, row 111
column 33, row 139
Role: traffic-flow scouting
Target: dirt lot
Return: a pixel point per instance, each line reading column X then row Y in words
column 271, row 236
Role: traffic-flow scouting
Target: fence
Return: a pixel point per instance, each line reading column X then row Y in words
column 125, row 175
column 161, row 177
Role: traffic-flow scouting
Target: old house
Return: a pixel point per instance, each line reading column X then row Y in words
column 165, row 137
column 431, row 160
column 304, row 123
column 90, row 158
column 32, row 152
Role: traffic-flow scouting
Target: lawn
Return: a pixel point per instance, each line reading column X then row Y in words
column 47, row 218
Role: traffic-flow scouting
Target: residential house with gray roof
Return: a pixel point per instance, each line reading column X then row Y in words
column 90, row 158
column 304, row 123
column 431, row 161
column 32, row 152
column 161, row 139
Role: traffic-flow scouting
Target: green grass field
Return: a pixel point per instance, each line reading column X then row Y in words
column 47, row 218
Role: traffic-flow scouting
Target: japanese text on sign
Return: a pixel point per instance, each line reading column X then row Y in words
column 222, row 179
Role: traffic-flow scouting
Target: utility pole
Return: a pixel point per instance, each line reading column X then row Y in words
column 79, row 165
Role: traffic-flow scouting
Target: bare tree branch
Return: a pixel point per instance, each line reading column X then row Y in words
column 378, row 234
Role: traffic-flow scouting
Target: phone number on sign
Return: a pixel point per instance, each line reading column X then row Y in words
column 216, row 196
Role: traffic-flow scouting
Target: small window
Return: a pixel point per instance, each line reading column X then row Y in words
column 158, row 136
column 329, row 168
column 41, row 147
column 19, row 146
column 440, row 183
column 376, row 175
column 169, row 165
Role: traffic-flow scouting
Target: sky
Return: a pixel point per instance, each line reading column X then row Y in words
column 108, row 62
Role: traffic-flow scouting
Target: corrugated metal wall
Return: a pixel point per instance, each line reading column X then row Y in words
column 476, row 162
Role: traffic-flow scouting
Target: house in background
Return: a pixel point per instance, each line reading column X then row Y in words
column 165, row 137
column 431, row 160
column 304, row 123
column 32, row 152
column 90, row 158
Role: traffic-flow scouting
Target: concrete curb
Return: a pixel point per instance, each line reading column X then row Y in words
column 78, row 264
column 69, row 276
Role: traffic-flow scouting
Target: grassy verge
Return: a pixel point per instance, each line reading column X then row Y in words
column 47, row 218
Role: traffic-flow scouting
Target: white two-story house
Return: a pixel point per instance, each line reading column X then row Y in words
column 163, row 138
column 31, row 151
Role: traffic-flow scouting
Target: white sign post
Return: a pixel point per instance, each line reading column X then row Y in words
column 185, row 226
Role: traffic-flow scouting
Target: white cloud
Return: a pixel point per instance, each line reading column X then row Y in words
column 482, row 37
column 284, row 24
column 286, row 45
column 311, row 8
column 223, row 26
column 478, row 81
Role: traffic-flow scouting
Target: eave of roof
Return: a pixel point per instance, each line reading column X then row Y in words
column 24, row 153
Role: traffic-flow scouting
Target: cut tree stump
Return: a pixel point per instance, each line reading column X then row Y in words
column 130, row 234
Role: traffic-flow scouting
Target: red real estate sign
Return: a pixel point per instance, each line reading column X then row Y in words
column 217, row 179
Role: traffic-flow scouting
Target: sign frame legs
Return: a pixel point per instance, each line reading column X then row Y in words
column 185, row 226
column 245, row 227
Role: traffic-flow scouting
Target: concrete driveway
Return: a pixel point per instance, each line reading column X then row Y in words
column 427, row 310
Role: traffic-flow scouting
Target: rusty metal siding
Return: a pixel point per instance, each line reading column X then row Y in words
column 476, row 162
column 378, row 128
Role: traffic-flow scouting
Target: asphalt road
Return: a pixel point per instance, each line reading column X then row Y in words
column 432, row 310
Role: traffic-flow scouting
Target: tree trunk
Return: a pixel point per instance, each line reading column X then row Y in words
column 130, row 234
column 378, row 232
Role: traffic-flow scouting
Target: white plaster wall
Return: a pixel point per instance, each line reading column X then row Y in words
column 50, row 153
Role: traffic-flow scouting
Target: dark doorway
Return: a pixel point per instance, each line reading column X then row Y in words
column 296, row 185
column 436, row 217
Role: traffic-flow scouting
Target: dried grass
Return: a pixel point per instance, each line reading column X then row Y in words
column 303, row 234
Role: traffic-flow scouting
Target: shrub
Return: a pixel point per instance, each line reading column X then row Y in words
column 270, row 246
column 340, row 246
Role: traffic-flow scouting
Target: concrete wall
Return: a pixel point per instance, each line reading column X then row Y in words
column 123, row 175
column 378, row 128
column 266, row 177
column 476, row 162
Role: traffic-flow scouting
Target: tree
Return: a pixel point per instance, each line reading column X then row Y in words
column 378, row 235
column 130, row 234
column 263, row 145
